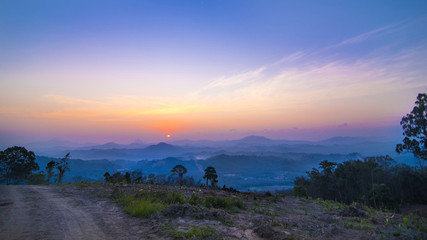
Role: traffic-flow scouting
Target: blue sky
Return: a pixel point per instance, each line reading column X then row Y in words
column 121, row 70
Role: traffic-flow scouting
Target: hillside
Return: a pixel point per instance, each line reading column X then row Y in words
column 103, row 212
column 242, row 171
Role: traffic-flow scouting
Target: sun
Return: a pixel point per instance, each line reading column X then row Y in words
column 168, row 136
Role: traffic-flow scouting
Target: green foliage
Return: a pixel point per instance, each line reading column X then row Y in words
column 171, row 198
column 329, row 206
column 359, row 224
column 210, row 174
column 414, row 126
column 200, row 232
column 227, row 203
column 374, row 181
column 50, row 166
column 381, row 196
column 142, row 207
column 107, row 177
column 139, row 206
column 37, row 179
column 62, row 166
column 299, row 191
column 80, row 184
column 179, row 170
column 194, row 199
column 16, row 164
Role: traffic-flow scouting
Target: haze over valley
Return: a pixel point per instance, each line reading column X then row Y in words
column 253, row 163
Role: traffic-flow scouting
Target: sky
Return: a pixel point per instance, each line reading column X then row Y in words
column 119, row 71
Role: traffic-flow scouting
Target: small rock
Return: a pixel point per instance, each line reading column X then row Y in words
column 265, row 231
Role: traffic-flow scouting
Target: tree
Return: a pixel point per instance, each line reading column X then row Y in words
column 210, row 174
column 136, row 176
column 17, row 163
column 322, row 180
column 414, row 126
column 62, row 167
column 107, row 177
column 127, row 177
column 49, row 169
column 180, row 171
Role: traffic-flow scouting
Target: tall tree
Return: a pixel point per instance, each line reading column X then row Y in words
column 210, row 174
column 62, row 167
column 180, row 171
column 414, row 126
column 50, row 166
column 17, row 163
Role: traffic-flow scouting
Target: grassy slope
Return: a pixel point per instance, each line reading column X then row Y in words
column 183, row 213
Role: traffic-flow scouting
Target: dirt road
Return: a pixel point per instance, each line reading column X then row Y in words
column 49, row 212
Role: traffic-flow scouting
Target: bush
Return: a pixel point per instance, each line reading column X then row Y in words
column 194, row 199
column 227, row 203
column 139, row 206
column 200, row 232
column 37, row 179
column 299, row 191
column 143, row 207
column 383, row 197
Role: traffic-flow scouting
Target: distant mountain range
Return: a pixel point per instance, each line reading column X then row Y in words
column 253, row 162
column 190, row 149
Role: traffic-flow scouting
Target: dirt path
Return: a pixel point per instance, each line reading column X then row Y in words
column 41, row 212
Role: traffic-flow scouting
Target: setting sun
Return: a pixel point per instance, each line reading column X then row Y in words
column 168, row 136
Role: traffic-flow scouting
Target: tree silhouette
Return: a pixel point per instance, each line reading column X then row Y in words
column 210, row 174
column 414, row 126
column 62, row 167
column 49, row 169
column 180, row 171
column 17, row 163
column 107, row 177
column 127, row 177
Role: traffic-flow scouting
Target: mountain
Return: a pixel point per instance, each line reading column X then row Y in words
column 158, row 151
column 344, row 140
column 252, row 145
column 113, row 145
column 162, row 147
column 255, row 140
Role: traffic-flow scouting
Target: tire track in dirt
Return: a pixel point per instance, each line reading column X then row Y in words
column 48, row 212
column 36, row 213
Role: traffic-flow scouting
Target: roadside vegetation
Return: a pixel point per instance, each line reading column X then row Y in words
column 378, row 182
column 144, row 203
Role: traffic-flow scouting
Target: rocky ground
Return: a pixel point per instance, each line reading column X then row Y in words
column 87, row 212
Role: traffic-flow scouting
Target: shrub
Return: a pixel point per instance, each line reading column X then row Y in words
column 227, row 203
column 201, row 232
column 37, row 179
column 142, row 207
column 139, row 206
column 300, row 191
column 194, row 199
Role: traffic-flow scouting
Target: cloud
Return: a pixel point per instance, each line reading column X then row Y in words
column 230, row 83
column 304, row 77
column 365, row 36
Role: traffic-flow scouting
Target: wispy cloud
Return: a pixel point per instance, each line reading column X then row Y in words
column 304, row 78
column 232, row 82
column 365, row 36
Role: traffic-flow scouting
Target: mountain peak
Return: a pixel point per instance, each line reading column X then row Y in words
column 162, row 146
column 253, row 138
